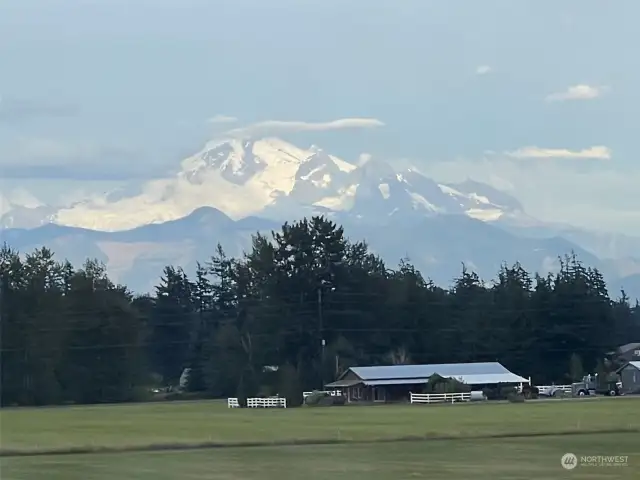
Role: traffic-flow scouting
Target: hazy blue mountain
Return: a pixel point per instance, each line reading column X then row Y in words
column 438, row 245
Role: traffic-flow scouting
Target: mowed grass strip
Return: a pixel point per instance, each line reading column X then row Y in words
column 513, row 459
column 211, row 423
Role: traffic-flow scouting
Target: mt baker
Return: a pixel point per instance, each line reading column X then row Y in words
column 274, row 179
column 235, row 187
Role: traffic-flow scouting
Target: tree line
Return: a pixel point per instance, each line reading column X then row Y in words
column 298, row 308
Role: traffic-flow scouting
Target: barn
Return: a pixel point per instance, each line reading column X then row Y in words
column 630, row 377
column 394, row 382
column 629, row 352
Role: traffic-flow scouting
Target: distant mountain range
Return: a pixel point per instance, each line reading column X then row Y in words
column 235, row 187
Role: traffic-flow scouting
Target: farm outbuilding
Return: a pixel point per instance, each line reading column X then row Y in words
column 629, row 352
column 394, row 382
column 630, row 377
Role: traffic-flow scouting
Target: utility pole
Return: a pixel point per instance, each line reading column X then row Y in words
column 326, row 271
column 321, row 334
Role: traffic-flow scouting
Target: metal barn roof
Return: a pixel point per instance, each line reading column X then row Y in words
column 634, row 364
column 469, row 373
column 626, row 348
column 629, row 346
column 397, row 381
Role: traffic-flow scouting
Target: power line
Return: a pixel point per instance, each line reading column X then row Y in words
column 256, row 336
column 188, row 319
column 348, row 299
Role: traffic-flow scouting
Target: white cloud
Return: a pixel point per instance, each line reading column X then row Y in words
column 483, row 69
column 5, row 205
column 283, row 126
column 21, row 196
column 24, row 157
column 597, row 152
column 578, row 92
column 364, row 158
column 222, row 119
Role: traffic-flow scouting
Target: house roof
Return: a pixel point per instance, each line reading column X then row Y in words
column 629, row 347
column 397, row 381
column 633, row 364
column 343, row 383
column 469, row 373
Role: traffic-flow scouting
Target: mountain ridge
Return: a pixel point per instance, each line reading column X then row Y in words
column 193, row 238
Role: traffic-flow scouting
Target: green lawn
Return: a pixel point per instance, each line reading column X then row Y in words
column 508, row 459
column 465, row 455
column 195, row 423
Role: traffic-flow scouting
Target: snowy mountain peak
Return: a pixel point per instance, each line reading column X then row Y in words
column 238, row 160
column 275, row 179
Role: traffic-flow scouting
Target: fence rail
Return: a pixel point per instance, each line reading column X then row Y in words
column 439, row 397
column 271, row 402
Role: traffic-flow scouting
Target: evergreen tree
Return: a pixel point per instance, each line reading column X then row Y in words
column 291, row 314
column 172, row 325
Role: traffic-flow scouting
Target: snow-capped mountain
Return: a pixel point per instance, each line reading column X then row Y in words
column 275, row 179
column 377, row 187
column 235, row 187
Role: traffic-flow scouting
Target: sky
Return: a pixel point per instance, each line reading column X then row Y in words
column 539, row 98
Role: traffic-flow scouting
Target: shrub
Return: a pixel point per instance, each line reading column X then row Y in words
column 491, row 393
column 503, row 393
column 314, row 398
column 339, row 400
column 506, row 391
column 439, row 384
column 289, row 385
column 530, row 391
column 515, row 398
column 323, row 399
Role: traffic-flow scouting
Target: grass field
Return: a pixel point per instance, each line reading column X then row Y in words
column 511, row 459
column 464, row 455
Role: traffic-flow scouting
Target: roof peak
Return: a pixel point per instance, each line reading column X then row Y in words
column 426, row 370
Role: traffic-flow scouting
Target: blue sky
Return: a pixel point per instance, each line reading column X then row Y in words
column 96, row 93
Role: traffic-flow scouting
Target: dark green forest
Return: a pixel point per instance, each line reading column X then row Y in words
column 305, row 299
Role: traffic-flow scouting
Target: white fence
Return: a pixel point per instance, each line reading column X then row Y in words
column 333, row 393
column 439, row 397
column 271, row 402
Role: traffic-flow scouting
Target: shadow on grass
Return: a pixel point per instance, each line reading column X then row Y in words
column 159, row 447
